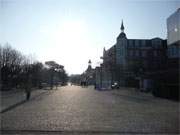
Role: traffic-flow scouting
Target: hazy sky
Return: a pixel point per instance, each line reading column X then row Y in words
column 71, row 32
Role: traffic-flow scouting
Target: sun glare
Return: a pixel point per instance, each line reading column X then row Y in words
column 71, row 32
column 69, row 38
column 69, row 43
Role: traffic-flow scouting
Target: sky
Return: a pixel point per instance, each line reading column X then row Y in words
column 71, row 32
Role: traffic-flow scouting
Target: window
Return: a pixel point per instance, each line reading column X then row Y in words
column 137, row 53
column 168, row 51
column 144, row 53
column 131, row 53
column 156, row 43
column 155, row 53
column 131, row 44
column 136, row 43
column 143, row 42
column 174, row 51
column 122, row 51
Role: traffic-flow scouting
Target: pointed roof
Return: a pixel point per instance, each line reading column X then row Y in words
column 122, row 34
column 122, row 26
column 89, row 62
column 89, row 66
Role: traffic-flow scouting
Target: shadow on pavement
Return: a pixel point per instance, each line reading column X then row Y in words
column 21, row 102
column 13, row 106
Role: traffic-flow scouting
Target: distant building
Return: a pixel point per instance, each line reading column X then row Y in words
column 108, row 67
column 139, row 57
column 131, row 59
column 150, row 64
column 89, row 75
column 98, row 77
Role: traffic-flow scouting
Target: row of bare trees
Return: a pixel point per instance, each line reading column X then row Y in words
column 19, row 71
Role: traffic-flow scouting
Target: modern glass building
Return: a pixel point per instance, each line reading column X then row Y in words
column 173, row 35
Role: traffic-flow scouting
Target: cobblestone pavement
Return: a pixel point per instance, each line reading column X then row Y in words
column 76, row 110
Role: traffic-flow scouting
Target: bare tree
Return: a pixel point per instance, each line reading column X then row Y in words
column 10, row 66
column 20, row 71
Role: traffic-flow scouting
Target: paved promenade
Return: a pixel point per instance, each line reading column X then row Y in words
column 76, row 110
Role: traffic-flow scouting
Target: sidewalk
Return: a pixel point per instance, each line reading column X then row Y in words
column 136, row 96
column 11, row 98
column 132, row 91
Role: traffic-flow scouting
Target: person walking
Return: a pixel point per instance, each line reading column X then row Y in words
column 28, row 93
column 28, row 88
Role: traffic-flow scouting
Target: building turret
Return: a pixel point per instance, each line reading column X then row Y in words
column 122, row 27
column 89, row 64
column 122, row 34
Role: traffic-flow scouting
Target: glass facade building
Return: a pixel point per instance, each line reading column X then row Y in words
column 173, row 35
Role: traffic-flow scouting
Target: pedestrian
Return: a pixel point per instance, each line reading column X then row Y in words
column 28, row 88
column 28, row 93
column 95, row 86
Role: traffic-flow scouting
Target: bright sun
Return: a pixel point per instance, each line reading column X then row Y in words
column 70, row 43
column 71, row 32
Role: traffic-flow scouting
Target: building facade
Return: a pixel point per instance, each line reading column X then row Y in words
column 88, row 77
column 169, row 85
column 173, row 28
column 131, row 61
column 173, row 38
